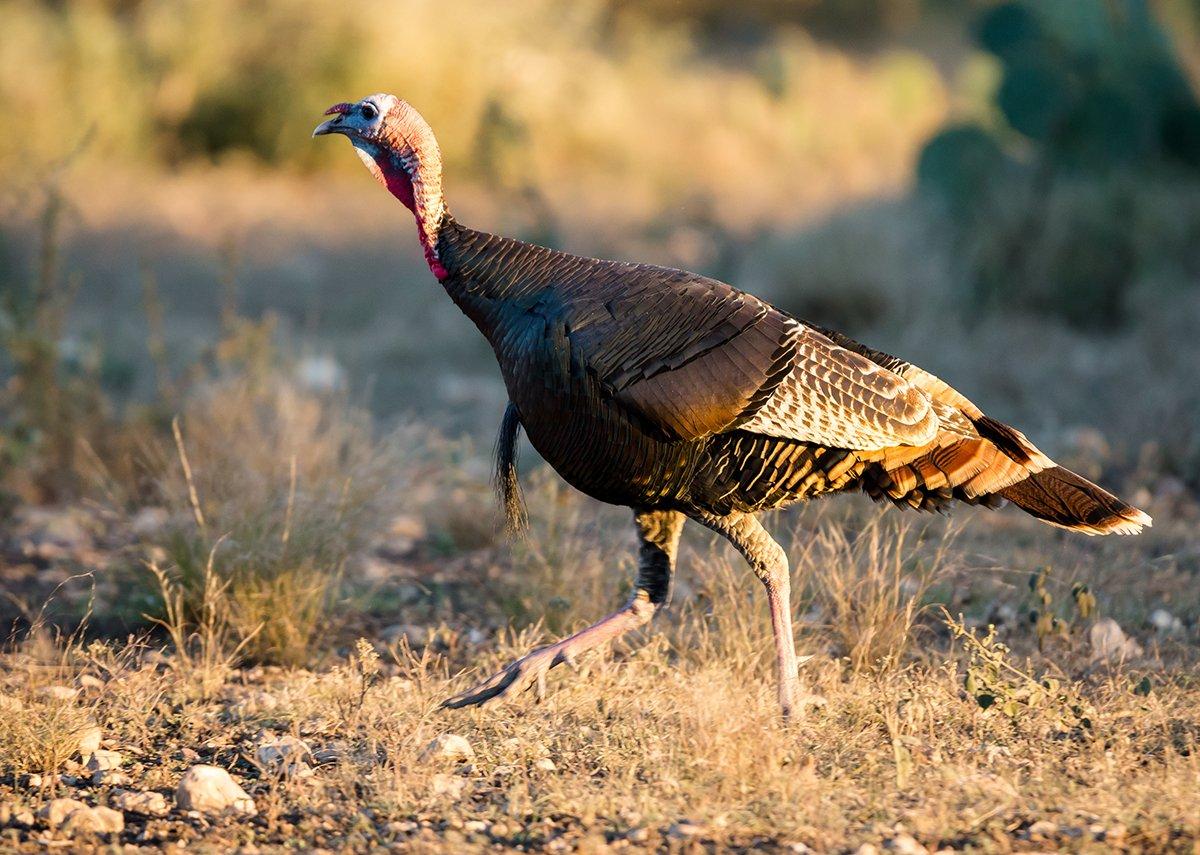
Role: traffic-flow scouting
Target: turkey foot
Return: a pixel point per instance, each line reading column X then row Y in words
column 530, row 670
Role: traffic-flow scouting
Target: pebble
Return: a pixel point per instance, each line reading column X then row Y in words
column 148, row 803
column 447, row 785
column 545, row 764
column 905, row 844
column 102, row 761
column 94, row 820
column 685, row 829
column 57, row 810
column 60, row 693
column 417, row 636
column 89, row 740
column 288, row 756
column 210, row 789
column 1043, row 828
column 1110, row 643
column 332, row 753
column 1165, row 622
column 111, row 778
column 448, row 746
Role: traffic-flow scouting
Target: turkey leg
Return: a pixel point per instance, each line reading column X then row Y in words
column 770, row 564
column 658, row 532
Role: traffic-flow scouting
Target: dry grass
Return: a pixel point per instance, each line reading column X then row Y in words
column 665, row 732
column 679, row 723
column 272, row 489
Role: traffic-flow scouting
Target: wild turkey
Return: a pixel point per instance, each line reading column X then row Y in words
column 681, row 397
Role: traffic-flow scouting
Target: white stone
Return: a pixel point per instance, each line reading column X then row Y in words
column 89, row 740
column 210, row 789
column 417, row 636
column 149, row 521
column 111, row 778
column 147, row 803
column 905, row 844
column 448, row 746
column 545, row 764
column 102, row 761
column 288, row 756
column 447, row 785
column 320, row 373
column 94, row 820
column 57, row 810
column 1110, row 643
column 685, row 829
column 1165, row 622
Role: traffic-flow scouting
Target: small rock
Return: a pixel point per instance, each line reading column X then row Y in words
column 1043, row 828
column 288, row 756
column 11, row 704
column 34, row 781
column 476, row 826
column 684, row 829
column 1110, row 643
column 867, row 849
column 638, row 835
column 905, row 844
column 147, row 803
column 89, row 740
column 448, row 746
column 60, row 693
column 447, row 785
column 94, row 820
column 332, row 753
column 102, row 761
column 404, row 826
column 148, row 522
column 210, row 789
column 320, row 373
column 89, row 681
column 417, row 636
column 57, row 810
column 545, row 764
column 799, row 848
column 111, row 778
column 1165, row 623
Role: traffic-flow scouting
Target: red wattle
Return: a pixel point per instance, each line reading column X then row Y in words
column 399, row 183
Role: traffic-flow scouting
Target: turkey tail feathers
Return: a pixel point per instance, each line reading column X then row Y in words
column 508, row 486
column 1062, row 498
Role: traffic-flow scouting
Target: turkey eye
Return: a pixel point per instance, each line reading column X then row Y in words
column 369, row 111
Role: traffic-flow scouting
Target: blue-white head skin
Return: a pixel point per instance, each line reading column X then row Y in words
column 399, row 149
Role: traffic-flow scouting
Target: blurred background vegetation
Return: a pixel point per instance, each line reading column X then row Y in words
column 1007, row 193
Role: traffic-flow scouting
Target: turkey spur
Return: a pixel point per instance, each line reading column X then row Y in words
column 682, row 397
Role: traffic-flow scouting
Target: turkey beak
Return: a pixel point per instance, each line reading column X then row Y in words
column 331, row 126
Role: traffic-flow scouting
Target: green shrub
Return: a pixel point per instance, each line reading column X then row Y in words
column 1051, row 209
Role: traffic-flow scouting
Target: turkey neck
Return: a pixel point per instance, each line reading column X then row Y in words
column 480, row 276
column 418, row 186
